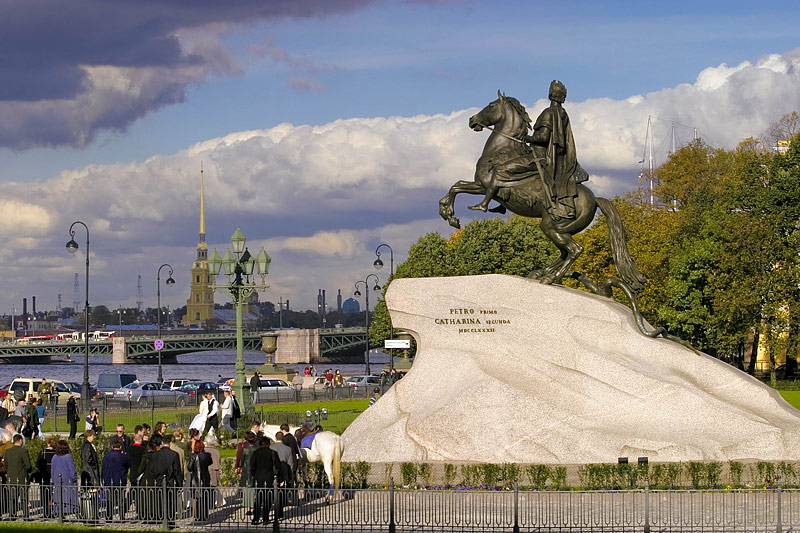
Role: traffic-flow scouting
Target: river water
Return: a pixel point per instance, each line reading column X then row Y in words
column 205, row 366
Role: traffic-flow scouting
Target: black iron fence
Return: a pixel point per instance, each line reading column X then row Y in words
column 391, row 509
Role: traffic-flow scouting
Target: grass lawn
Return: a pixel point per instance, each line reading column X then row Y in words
column 792, row 396
column 343, row 412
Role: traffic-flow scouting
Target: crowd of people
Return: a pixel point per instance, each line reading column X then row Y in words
column 187, row 466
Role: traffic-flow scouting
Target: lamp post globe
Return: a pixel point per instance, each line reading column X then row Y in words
column 72, row 247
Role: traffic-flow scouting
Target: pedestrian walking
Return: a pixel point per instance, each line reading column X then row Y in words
column 200, row 479
column 212, row 418
column 227, row 411
column 72, row 416
column 264, row 465
column 18, row 470
column 255, row 384
column 65, row 480
column 116, row 466
column 90, row 461
column 44, row 467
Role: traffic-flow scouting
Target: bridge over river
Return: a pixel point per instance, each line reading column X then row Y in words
column 293, row 346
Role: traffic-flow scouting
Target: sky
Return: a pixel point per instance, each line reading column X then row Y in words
column 326, row 128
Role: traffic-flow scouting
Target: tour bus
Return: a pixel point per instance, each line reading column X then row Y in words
column 67, row 337
column 33, row 339
column 102, row 335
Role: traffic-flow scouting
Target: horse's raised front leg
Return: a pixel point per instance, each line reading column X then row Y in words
column 446, row 204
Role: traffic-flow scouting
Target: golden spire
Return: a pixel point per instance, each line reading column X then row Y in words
column 202, row 207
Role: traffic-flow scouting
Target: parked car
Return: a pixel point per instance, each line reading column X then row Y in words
column 361, row 383
column 274, row 389
column 75, row 388
column 225, row 383
column 29, row 386
column 109, row 383
column 147, row 393
column 193, row 390
column 175, row 384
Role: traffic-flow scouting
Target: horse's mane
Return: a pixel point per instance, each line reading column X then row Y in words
column 520, row 109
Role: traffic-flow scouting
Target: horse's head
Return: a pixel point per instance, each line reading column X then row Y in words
column 506, row 112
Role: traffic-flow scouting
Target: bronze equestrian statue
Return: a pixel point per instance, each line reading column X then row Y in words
column 538, row 176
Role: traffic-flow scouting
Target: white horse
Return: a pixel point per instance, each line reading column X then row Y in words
column 326, row 448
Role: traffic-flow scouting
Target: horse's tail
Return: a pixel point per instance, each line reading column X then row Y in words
column 337, row 462
column 619, row 247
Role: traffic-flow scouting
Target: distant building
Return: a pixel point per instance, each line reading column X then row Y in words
column 350, row 306
column 200, row 305
column 229, row 317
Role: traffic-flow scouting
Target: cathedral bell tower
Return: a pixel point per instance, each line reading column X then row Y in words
column 200, row 305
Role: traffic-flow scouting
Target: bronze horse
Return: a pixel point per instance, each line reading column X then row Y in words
column 511, row 122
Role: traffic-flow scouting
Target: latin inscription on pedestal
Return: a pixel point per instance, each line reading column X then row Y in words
column 472, row 320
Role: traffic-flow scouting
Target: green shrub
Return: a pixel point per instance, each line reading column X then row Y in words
column 538, row 475
column 712, row 474
column 696, row 473
column 762, row 473
column 348, row 475
column 362, row 470
column 409, row 472
column 227, row 473
column 490, row 474
column 735, row 471
column 657, row 476
column 470, row 475
column 316, row 475
column 424, row 470
column 788, row 473
column 450, row 472
column 625, row 476
column 672, row 479
column 509, row 474
column 558, row 478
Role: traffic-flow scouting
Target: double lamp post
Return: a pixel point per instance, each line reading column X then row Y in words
column 72, row 247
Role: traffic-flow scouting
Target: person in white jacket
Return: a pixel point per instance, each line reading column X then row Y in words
column 227, row 412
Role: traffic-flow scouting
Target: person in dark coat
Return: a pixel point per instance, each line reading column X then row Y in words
column 200, row 480
column 291, row 442
column 65, row 479
column 246, row 479
column 135, row 452
column 90, row 462
column 115, row 476
column 72, row 416
column 144, row 479
column 3, row 414
column 264, row 467
column 44, row 465
column 122, row 437
column 167, row 471
column 18, row 470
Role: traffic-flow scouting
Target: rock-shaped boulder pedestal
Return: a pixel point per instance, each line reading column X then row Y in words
column 509, row 370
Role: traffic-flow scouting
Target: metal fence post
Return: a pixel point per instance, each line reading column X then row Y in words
column 779, row 486
column 275, row 505
column 60, row 499
column 392, row 526
column 646, row 505
column 516, row 507
column 164, row 510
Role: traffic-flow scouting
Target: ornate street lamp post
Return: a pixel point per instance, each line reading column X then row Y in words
column 72, row 247
column 376, row 288
column 169, row 281
column 239, row 267
column 379, row 265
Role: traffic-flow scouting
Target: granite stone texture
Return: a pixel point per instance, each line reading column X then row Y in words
column 509, row 370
